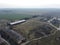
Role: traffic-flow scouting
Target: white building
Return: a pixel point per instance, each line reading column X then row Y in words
column 17, row 22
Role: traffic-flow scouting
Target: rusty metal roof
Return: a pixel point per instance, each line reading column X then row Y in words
column 1, row 40
column 14, row 35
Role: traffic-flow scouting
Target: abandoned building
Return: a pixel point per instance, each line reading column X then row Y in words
column 12, row 36
column 10, row 25
column 3, row 41
column 17, row 22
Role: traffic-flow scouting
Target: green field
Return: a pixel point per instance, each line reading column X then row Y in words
column 14, row 16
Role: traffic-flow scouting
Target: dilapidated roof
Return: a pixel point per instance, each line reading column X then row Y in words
column 1, row 40
column 14, row 35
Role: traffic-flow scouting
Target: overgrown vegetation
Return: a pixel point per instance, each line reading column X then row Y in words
column 51, row 40
column 32, row 29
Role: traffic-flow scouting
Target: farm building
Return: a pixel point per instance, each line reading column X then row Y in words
column 17, row 22
column 3, row 41
column 12, row 36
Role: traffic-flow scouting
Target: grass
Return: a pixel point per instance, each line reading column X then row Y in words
column 31, row 28
column 51, row 40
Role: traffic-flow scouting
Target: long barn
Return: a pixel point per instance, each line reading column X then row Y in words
column 12, row 35
column 3, row 41
column 17, row 22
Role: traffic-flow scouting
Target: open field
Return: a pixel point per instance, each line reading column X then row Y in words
column 31, row 29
